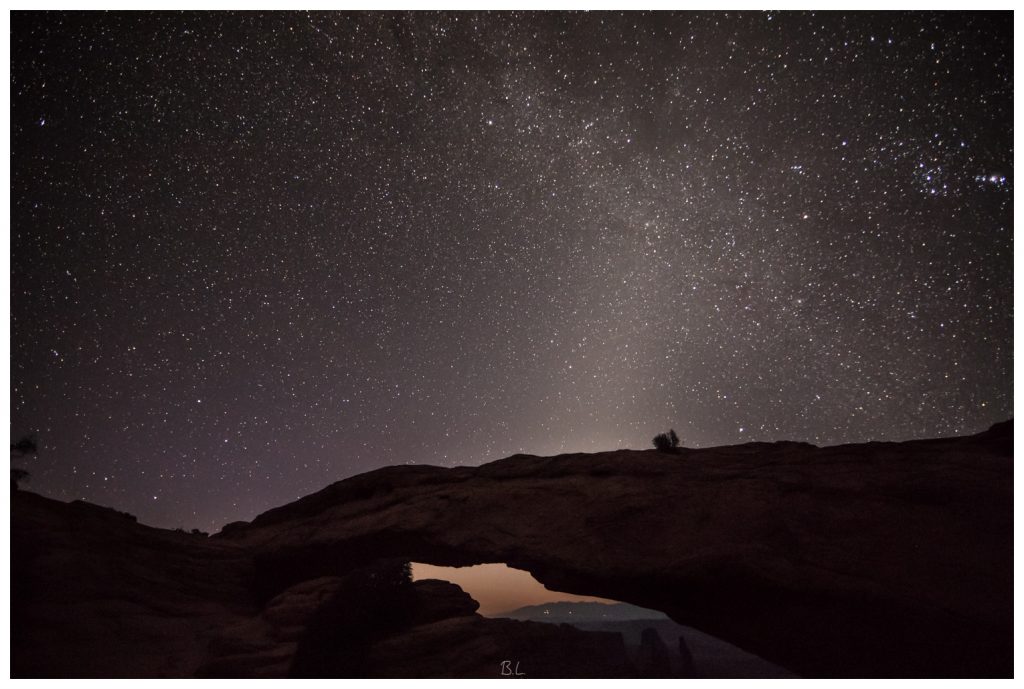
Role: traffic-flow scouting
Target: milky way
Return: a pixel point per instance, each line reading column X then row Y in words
column 255, row 254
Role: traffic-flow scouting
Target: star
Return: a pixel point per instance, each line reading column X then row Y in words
column 277, row 250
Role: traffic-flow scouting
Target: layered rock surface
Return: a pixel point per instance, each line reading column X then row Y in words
column 859, row 560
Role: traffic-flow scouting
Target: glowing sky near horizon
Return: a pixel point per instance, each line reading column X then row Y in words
column 253, row 254
column 497, row 587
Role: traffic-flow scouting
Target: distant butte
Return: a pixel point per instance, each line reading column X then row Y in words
column 877, row 559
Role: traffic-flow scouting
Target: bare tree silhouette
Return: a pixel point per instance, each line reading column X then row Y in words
column 666, row 442
column 25, row 446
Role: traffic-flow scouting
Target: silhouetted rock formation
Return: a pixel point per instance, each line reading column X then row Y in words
column 652, row 660
column 328, row 628
column 469, row 645
column 687, row 668
column 858, row 560
column 94, row 594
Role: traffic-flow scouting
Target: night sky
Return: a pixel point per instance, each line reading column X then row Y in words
column 254, row 254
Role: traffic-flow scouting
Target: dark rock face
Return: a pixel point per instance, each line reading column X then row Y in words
column 337, row 627
column 653, row 660
column 474, row 646
column 434, row 631
column 687, row 668
column 859, row 560
column 264, row 644
column 94, row 594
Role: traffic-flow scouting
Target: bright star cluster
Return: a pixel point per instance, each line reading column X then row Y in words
column 252, row 254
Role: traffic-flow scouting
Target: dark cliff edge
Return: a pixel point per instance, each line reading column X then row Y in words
column 876, row 559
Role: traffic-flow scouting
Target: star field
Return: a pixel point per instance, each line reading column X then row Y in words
column 252, row 254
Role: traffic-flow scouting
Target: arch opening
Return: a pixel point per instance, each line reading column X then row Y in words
column 507, row 592
column 500, row 589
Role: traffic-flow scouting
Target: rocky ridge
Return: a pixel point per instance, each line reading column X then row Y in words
column 875, row 559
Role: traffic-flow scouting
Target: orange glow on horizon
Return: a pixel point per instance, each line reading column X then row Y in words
column 497, row 587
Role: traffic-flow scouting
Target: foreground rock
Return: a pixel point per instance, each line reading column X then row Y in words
column 323, row 628
column 94, row 594
column 437, row 633
column 860, row 560
column 500, row 648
